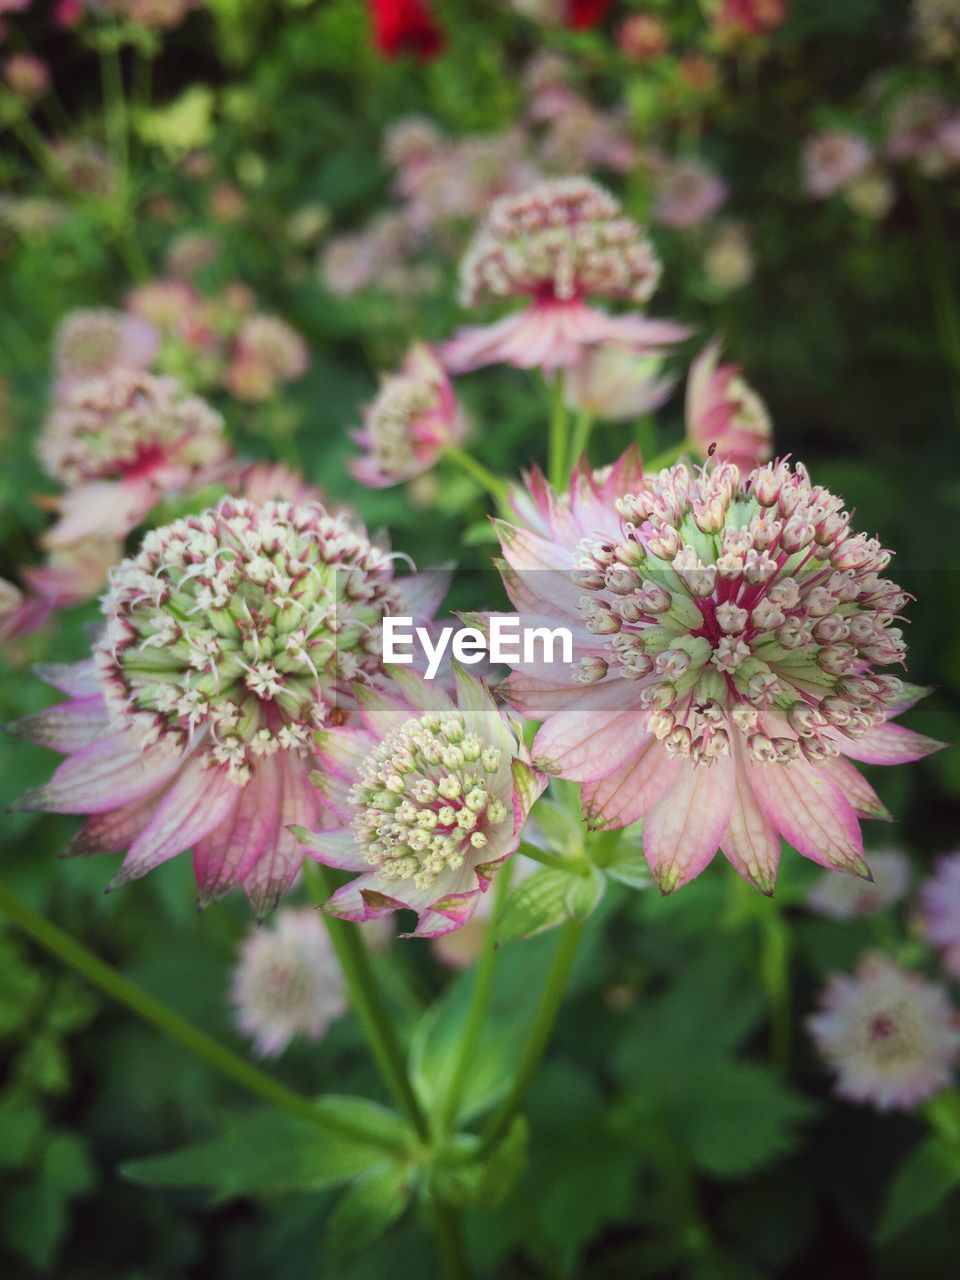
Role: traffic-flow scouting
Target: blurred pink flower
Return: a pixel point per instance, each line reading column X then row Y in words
column 890, row 1036
column 643, row 37
column 276, row 482
column 832, row 160
column 93, row 342
column 556, row 244
column 431, row 794
column 940, row 912
column 414, row 417
column 287, row 981
column 726, row 631
column 617, row 384
column 26, row 76
column 725, row 417
column 737, row 19
column 847, row 897
column 922, row 127
column 74, row 573
column 121, row 442
column 688, row 193
column 268, row 353
column 229, row 640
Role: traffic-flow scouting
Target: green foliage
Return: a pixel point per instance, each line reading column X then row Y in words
column 922, row 1183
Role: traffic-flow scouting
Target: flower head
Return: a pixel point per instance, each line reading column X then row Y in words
column 727, row 632
column 617, row 384
column 643, row 37
column 846, row 897
column 96, row 341
column 413, row 418
column 405, row 27
column 122, row 441
column 726, row 418
column 688, row 194
column 432, row 795
column 832, row 160
column 556, row 244
column 229, row 640
column 890, row 1036
column 940, row 912
column 268, row 353
column 728, row 257
column 27, row 77
column 287, row 981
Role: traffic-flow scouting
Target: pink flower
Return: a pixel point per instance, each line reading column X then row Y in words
column 739, row 19
column 726, row 419
column 688, row 194
column 275, row 482
column 832, row 160
column 618, row 385
column 229, row 640
column 431, row 795
column 120, row 443
column 27, row 77
column 93, row 342
column 556, row 244
column 922, row 127
column 847, row 897
column 73, row 573
column 20, row 615
column 940, row 912
column 890, row 1036
column 412, row 420
column 726, row 631
column 268, row 353
column 643, row 37
column 287, row 981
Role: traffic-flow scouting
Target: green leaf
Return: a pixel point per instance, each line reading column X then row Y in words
column 628, row 865
column 184, row 125
column 739, row 1117
column 920, row 1185
column 548, row 898
column 370, row 1206
column 34, row 1214
column 267, row 1152
column 21, row 1123
column 486, row 1183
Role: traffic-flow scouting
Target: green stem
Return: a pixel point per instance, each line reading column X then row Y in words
column 157, row 1014
column 453, row 1254
column 559, row 861
column 479, row 1003
column 775, row 968
column 582, row 429
column 556, row 461
column 543, row 1021
column 496, row 487
column 366, row 999
column 667, row 458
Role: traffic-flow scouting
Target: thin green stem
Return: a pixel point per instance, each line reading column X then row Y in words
column 557, row 461
column 496, row 487
column 775, row 968
column 157, row 1014
column 366, row 1000
column 582, row 430
column 479, row 1004
column 559, row 861
column 667, row 457
column 540, row 1030
column 453, row 1254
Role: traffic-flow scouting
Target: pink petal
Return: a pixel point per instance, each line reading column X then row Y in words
column 630, row 791
column 750, row 844
column 66, row 727
column 268, row 873
column 113, row 831
column 682, row 832
column 811, row 812
column 253, row 825
column 197, row 803
column 857, row 789
column 591, row 739
column 102, row 776
column 888, row 744
column 333, row 848
column 538, row 699
column 77, row 679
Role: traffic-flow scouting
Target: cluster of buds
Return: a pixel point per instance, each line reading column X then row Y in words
column 746, row 607
column 241, row 624
column 561, row 239
column 268, row 353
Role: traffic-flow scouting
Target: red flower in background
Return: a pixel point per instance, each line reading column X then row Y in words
column 583, row 15
column 405, row 26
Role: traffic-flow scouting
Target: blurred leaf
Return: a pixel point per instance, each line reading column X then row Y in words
column 370, row 1206
column 920, row 1185
column 186, row 124
column 21, row 1123
column 629, row 867
column 486, row 1182
column 265, row 1153
column 548, row 898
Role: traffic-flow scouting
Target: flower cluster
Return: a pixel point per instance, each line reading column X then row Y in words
column 728, row 632
column 891, row 1037
column 93, row 342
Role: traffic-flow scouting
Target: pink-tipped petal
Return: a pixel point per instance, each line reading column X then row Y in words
column 590, row 740
column 103, row 775
column 66, row 727
column 811, row 812
column 682, row 832
column 253, row 826
column 625, row 795
column 889, row 744
column 750, row 844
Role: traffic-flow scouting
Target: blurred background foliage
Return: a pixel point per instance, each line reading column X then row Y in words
column 682, row 1125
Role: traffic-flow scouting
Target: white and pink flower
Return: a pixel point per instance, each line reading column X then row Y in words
column 833, row 160
column 230, row 639
column 431, row 793
column 726, row 419
column 891, row 1037
column 727, row 631
column 414, row 417
column 940, row 912
column 688, row 194
column 93, row 342
column 555, row 245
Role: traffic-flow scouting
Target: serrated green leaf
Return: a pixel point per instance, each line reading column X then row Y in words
column 739, row 1117
column 548, row 898
column 368, row 1208
column 920, row 1186
column 268, row 1152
